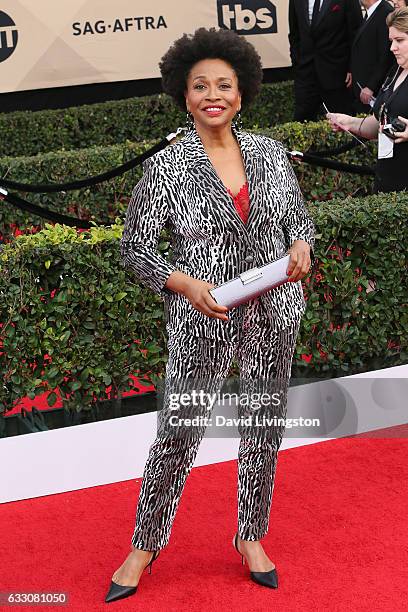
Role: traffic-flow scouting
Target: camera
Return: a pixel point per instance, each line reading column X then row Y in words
column 391, row 129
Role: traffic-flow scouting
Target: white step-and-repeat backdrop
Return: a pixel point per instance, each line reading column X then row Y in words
column 49, row 43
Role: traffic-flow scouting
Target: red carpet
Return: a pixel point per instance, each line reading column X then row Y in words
column 338, row 535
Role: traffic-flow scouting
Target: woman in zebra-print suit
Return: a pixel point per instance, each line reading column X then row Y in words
column 190, row 187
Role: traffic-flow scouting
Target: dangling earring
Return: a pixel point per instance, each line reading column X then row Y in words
column 189, row 121
column 237, row 122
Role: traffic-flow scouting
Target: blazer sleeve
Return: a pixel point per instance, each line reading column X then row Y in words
column 296, row 222
column 145, row 218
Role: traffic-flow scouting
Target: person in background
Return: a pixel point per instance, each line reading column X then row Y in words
column 371, row 57
column 321, row 33
column 391, row 104
column 398, row 4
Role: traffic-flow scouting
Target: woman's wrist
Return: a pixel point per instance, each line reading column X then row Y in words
column 361, row 125
column 356, row 124
column 177, row 282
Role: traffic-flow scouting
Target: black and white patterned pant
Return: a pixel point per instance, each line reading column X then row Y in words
column 264, row 357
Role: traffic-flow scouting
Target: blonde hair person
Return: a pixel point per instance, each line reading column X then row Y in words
column 399, row 4
column 391, row 105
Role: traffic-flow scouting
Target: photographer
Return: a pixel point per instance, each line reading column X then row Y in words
column 389, row 121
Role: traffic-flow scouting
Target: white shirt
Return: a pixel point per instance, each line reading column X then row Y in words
column 311, row 4
column 372, row 8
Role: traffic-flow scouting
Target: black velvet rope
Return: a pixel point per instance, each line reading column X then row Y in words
column 94, row 180
column 46, row 213
column 348, row 146
column 314, row 160
column 80, row 223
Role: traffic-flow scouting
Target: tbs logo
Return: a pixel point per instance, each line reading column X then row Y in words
column 248, row 16
column 8, row 36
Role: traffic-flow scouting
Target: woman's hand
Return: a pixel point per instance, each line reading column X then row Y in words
column 366, row 95
column 197, row 293
column 299, row 262
column 402, row 136
column 339, row 122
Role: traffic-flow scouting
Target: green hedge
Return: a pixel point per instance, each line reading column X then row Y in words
column 70, row 320
column 109, row 199
column 72, row 315
column 147, row 118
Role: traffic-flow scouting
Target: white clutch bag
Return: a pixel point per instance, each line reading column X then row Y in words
column 252, row 283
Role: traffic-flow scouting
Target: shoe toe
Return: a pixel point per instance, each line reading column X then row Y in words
column 117, row 591
column 268, row 579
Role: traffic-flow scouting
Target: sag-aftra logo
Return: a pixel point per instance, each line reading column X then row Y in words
column 247, row 16
column 8, row 36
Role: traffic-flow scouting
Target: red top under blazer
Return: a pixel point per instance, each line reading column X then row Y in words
column 241, row 202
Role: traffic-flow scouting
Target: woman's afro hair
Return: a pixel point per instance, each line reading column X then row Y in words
column 227, row 45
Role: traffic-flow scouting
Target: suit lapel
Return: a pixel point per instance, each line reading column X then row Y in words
column 203, row 173
column 323, row 10
column 361, row 30
column 365, row 23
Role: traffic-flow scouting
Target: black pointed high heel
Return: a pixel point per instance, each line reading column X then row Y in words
column 268, row 579
column 118, row 591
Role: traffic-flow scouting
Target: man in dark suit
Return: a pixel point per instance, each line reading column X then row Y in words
column 371, row 57
column 321, row 33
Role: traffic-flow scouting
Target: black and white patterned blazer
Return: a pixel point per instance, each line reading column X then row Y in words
column 181, row 190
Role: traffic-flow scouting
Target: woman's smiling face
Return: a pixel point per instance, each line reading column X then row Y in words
column 212, row 94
